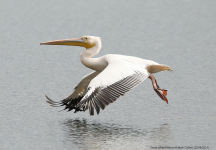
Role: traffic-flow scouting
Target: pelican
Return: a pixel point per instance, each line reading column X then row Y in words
column 113, row 76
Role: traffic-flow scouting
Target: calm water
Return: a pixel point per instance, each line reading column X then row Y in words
column 181, row 34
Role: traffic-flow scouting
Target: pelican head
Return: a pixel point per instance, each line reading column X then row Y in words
column 84, row 41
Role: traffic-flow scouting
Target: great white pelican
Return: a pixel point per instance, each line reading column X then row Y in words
column 113, row 76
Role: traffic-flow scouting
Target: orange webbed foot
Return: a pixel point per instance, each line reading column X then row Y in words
column 162, row 93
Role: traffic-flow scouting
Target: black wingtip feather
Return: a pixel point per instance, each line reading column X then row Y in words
column 69, row 104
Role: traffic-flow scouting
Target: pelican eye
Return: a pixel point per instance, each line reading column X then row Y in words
column 86, row 38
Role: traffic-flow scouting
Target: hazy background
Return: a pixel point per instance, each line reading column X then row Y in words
column 181, row 34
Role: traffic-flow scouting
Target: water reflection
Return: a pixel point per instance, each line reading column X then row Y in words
column 95, row 135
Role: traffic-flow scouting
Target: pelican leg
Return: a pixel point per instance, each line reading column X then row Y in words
column 160, row 92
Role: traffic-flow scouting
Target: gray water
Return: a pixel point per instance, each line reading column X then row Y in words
column 181, row 34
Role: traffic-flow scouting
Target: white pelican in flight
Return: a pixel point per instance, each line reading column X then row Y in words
column 113, row 76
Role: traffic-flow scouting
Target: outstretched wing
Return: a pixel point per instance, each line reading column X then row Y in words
column 71, row 101
column 114, row 81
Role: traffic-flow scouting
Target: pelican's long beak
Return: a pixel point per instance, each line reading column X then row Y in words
column 70, row 42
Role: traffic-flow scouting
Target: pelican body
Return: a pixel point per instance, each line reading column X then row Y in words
column 113, row 76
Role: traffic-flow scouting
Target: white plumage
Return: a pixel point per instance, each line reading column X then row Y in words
column 114, row 75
